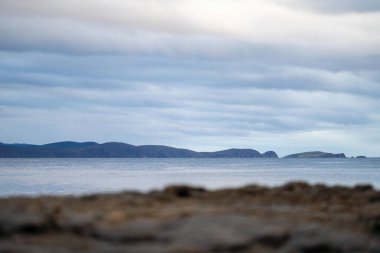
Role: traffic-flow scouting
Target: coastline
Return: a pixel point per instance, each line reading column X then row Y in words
column 296, row 217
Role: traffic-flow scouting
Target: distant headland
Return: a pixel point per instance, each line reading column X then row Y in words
column 71, row 149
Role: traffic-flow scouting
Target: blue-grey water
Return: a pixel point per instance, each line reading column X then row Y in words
column 82, row 176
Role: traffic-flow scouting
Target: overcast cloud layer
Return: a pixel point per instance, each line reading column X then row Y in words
column 287, row 75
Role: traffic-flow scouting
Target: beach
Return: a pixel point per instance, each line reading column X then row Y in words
column 295, row 217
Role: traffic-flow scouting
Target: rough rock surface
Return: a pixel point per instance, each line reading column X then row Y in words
column 293, row 218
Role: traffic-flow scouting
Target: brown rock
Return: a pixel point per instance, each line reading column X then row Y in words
column 293, row 218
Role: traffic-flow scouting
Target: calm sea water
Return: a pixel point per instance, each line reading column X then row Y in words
column 80, row 176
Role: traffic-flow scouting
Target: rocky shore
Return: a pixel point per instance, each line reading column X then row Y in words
column 296, row 217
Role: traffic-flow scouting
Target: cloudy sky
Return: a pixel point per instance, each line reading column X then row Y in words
column 283, row 75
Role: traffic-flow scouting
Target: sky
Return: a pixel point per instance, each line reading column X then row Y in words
column 282, row 75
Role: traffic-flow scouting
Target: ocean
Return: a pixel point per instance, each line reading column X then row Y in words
column 84, row 176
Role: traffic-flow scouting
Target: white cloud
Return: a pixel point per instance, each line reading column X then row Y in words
column 182, row 26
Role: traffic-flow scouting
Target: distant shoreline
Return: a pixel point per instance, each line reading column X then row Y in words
column 70, row 149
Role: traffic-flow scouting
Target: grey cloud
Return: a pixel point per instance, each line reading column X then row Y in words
column 336, row 5
column 257, row 74
column 190, row 87
column 253, row 108
column 132, row 72
column 73, row 37
column 298, row 78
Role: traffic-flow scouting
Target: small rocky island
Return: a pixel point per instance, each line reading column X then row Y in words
column 316, row 154
column 294, row 218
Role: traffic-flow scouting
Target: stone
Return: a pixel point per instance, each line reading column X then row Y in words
column 295, row 218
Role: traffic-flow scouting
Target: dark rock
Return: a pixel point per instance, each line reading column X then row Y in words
column 375, row 224
column 183, row 191
column 363, row 187
column 22, row 222
column 375, row 197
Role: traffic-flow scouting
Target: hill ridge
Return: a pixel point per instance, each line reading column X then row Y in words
column 72, row 149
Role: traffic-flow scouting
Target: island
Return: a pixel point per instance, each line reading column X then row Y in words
column 316, row 154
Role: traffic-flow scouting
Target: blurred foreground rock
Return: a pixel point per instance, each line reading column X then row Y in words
column 293, row 218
